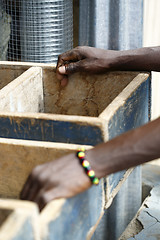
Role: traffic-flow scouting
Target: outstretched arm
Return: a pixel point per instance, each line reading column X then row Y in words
column 94, row 60
column 65, row 176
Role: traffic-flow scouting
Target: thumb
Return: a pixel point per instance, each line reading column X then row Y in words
column 62, row 70
column 69, row 68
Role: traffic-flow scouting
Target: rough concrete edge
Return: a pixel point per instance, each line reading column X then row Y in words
column 150, row 178
column 134, row 227
column 138, row 227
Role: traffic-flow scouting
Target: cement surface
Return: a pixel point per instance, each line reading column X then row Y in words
column 146, row 224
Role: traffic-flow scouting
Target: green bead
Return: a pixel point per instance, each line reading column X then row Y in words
column 95, row 181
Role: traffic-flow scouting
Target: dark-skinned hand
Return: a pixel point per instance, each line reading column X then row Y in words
column 84, row 59
column 61, row 178
column 94, row 60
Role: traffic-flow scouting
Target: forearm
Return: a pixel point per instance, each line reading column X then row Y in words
column 143, row 59
column 128, row 150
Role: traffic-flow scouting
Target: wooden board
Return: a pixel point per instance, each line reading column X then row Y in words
column 21, row 220
column 60, row 217
column 111, row 110
column 18, row 158
column 24, row 94
column 129, row 110
column 90, row 110
column 85, row 95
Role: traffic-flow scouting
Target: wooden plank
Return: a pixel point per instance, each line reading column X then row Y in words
column 11, row 70
column 129, row 110
column 84, row 94
column 133, row 111
column 24, row 94
column 42, row 127
column 81, row 212
column 80, row 129
column 21, row 157
column 7, row 75
column 74, row 218
column 20, row 221
column 96, row 119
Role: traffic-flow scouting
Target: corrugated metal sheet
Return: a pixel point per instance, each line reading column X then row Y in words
column 111, row 24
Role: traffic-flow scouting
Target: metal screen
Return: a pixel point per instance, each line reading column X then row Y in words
column 35, row 30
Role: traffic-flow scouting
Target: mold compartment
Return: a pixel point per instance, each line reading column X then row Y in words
column 40, row 121
column 35, row 107
column 60, row 216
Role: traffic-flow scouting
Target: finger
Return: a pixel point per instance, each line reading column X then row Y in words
column 75, row 67
column 44, row 197
column 64, row 82
column 62, row 70
column 72, row 55
column 32, row 192
column 89, row 65
column 26, row 188
column 30, row 182
column 59, row 76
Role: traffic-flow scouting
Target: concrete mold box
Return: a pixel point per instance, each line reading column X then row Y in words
column 38, row 116
column 90, row 110
column 74, row 218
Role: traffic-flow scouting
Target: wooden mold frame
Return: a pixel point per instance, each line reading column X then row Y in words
column 38, row 116
column 60, row 217
column 18, row 220
column 90, row 110
column 89, row 102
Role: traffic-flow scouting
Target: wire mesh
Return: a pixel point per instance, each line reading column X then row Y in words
column 36, row 30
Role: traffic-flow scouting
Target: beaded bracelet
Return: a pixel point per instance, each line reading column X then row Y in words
column 86, row 165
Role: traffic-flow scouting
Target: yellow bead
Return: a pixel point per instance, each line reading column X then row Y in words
column 85, row 163
column 81, row 149
column 81, row 154
column 91, row 173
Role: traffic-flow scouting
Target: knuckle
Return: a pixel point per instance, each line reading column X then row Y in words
column 59, row 60
column 59, row 57
column 44, row 199
column 70, row 68
column 35, row 170
column 78, row 48
column 36, row 174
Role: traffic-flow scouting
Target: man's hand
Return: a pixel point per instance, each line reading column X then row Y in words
column 61, row 178
column 84, row 59
column 94, row 60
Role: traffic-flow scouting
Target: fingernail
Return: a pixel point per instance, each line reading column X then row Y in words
column 62, row 70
